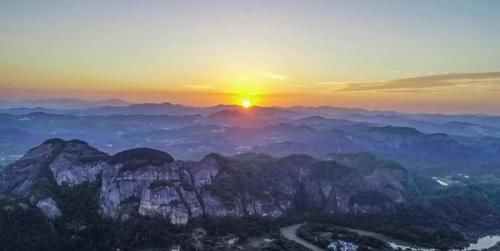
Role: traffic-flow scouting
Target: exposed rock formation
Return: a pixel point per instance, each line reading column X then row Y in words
column 54, row 162
column 49, row 208
column 222, row 186
column 151, row 183
column 77, row 163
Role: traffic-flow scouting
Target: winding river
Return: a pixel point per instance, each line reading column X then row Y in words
column 290, row 233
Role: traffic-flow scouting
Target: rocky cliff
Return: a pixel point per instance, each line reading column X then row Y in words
column 149, row 182
column 55, row 162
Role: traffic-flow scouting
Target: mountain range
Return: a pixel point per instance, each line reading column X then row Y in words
column 125, row 176
column 58, row 179
column 434, row 143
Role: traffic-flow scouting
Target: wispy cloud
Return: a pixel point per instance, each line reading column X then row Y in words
column 201, row 87
column 423, row 82
column 271, row 75
column 326, row 87
column 332, row 83
column 253, row 75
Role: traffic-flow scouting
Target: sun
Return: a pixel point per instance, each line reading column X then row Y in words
column 246, row 103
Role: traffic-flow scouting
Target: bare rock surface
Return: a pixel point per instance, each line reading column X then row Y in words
column 152, row 183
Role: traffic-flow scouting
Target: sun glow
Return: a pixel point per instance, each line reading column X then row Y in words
column 246, row 103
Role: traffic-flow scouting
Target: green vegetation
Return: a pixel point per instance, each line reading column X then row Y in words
column 139, row 157
column 25, row 228
column 409, row 224
column 372, row 198
column 322, row 234
column 364, row 161
column 436, row 216
column 281, row 244
column 441, row 217
column 82, row 228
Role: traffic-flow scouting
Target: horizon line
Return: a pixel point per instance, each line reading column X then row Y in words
column 130, row 103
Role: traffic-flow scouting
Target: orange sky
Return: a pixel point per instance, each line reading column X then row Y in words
column 281, row 53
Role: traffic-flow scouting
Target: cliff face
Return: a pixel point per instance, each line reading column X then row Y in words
column 55, row 162
column 77, row 163
column 151, row 183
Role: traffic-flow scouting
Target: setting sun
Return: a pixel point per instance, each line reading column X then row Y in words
column 246, row 103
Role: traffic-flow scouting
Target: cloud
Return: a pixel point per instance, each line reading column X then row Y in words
column 330, row 86
column 201, row 87
column 271, row 75
column 432, row 81
column 260, row 75
column 332, row 83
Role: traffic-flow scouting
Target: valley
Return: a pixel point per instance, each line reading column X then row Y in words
column 250, row 125
column 267, row 169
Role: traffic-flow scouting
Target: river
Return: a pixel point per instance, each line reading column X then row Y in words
column 290, row 233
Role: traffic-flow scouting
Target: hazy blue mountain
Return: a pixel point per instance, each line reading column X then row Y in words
column 459, row 125
column 63, row 103
column 263, row 130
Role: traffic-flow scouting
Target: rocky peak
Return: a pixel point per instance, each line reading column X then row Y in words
column 140, row 157
column 55, row 162
column 20, row 177
column 134, row 176
column 154, row 156
column 76, row 163
column 150, row 182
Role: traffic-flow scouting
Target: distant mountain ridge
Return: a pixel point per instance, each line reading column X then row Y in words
column 63, row 103
column 262, row 130
column 425, row 122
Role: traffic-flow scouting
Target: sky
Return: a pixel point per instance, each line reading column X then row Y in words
column 417, row 56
